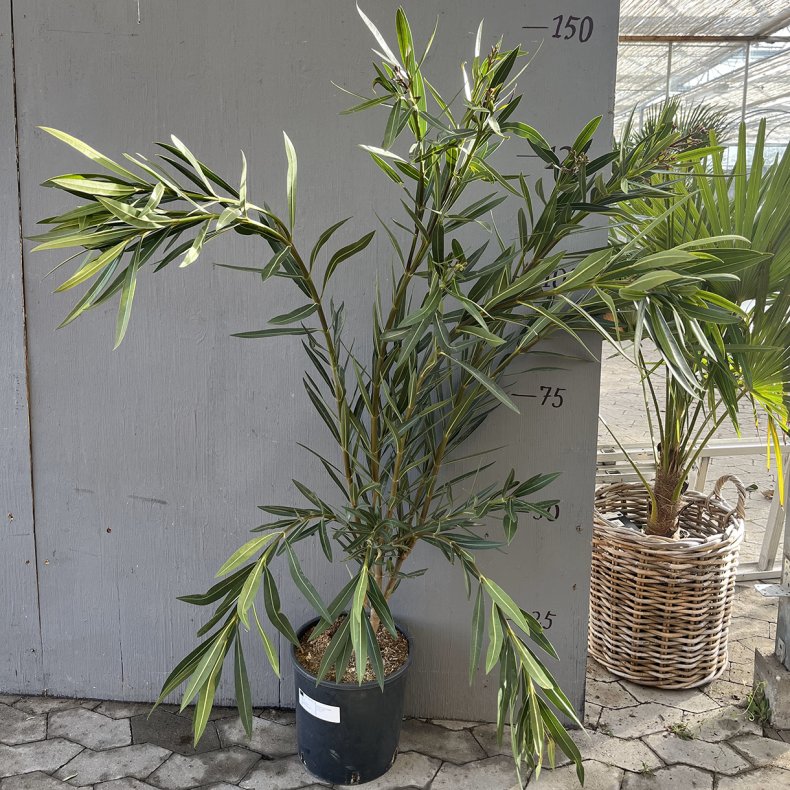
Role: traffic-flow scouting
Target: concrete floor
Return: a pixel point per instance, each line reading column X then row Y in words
column 637, row 739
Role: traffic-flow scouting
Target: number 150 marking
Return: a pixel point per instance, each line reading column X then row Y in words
column 583, row 31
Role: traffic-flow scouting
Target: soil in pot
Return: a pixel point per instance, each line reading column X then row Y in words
column 394, row 653
column 347, row 733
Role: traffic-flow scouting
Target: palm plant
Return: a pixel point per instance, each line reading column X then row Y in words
column 444, row 335
column 719, row 359
column 693, row 123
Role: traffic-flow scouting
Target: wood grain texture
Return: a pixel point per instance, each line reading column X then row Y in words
column 20, row 638
column 150, row 460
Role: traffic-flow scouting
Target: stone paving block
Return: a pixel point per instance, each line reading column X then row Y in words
column 592, row 713
column 638, row 721
column 18, row 726
column 89, row 728
column 597, row 776
column 455, row 724
column 761, row 779
column 273, row 740
column 410, row 770
column 277, row 715
column 180, row 773
column 711, row 756
column 675, row 777
column 748, row 627
column 742, row 652
column 285, row 774
column 117, row 709
column 134, row 762
column 9, row 699
column 123, row 784
column 596, row 671
column 485, row 735
column 33, row 781
column 216, row 714
column 219, row 786
column 457, row 746
column 741, row 673
column 40, row 705
column 173, row 733
column 763, row 752
column 749, row 603
column 493, row 773
column 632, row 755
column 691, row 700
column 44, row 756
column 609, row 695
column 722, row 724
column 727, row 693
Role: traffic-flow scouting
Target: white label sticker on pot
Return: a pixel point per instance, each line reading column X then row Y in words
column 318, row 709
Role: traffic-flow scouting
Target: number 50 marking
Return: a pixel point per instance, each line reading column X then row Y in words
column 583, row 31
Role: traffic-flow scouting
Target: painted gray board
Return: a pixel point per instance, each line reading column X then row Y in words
column 20, row 639
column 149, row 460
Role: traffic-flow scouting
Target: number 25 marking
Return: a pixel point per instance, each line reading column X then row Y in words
column 546, row 621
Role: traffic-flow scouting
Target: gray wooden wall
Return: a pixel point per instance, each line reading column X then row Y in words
column 147, row 462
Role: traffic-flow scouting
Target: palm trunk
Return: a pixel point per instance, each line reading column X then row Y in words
column 663, row 518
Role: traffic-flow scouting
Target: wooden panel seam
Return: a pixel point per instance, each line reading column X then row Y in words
column 21, row 262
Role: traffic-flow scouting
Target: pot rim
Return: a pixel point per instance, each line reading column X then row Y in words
column 351, row 687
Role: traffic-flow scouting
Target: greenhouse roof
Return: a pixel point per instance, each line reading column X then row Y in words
column 714, row 18
column 730, row 54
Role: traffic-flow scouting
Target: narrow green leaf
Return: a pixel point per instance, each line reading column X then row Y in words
column 347, row 252
column 273, row 610
column 91, row 187
column 243, row 695
column 586, row 134
column 510, row 521
column 228, row 217
column 271, row 651
column 207, row 665
column 217, row 591
column 324, row 238
column 380, row 152
column 92, row 154
column 337, row 645
column 278, row 332
column 357, row 615
column 89, row 269
column 290, row 154
column 506, row 604
column 299, row 314
column 304, row 584
column 193, row 253
column 204, row 705
column 390, row 55
column 243, row 553
column 380, row 606
column 127, row 296
column 374, row 653
column 490, row 385
column 495, row 639
column 250, row 589
column 478, row 625
column 183, row 670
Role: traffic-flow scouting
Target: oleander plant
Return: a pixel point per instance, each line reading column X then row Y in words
column 445, row 335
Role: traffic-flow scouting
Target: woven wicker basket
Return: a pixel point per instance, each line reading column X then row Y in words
column 660, row 607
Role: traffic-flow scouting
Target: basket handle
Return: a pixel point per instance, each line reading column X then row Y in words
column 740, row 509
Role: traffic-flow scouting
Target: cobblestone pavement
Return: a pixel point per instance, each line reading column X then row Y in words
column 637, row 739
column 623, row 409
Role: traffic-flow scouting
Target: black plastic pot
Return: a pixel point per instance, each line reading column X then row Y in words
column 348, row 733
